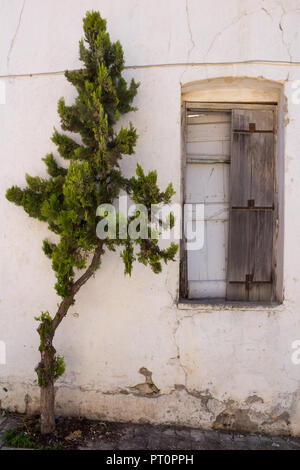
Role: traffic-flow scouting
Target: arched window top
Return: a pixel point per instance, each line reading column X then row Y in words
column 233, row 89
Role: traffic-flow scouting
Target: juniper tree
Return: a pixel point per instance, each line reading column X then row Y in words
column 67, row 200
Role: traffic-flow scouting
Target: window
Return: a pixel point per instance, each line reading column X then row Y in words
column 230, row 167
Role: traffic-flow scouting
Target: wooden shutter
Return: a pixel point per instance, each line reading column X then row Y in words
column 251, row 215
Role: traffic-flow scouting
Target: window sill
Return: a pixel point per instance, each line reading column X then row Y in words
column 222, row 304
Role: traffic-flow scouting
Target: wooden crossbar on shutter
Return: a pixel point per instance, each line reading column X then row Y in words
column 251, row 216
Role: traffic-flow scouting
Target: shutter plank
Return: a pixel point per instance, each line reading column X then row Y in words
column 250, row 252
column 261, row 245
column 263, row 119
column 194, row 117
column 237, row 291
column 238, row 255
column 239, row 243
column 262, row 164
column 208, row 132
column 260, row 292
column 240, row 170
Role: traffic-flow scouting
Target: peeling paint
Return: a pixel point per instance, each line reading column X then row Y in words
column 274, row 418
column 148, row 387
column 254, row 399
column 235, row 420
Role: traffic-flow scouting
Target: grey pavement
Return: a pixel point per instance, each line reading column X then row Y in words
column 146, row 436
column 128, row 436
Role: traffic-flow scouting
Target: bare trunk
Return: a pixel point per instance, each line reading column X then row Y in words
column 47, row 409
column 46, row 374
column 46, row 368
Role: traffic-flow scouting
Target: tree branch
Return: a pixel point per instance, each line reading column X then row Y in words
column 68, row 301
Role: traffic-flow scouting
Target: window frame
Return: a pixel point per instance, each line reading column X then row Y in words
column 278, row 194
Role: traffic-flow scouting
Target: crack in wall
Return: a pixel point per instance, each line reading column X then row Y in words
column 267, row 12
column 246, row 13
column 193, row 45
column 189, row 28
column 14, row 36
column 232, row 23
column 178, row 356
column 284, row 12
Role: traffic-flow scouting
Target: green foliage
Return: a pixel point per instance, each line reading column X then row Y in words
column 27, row 439
column 44, row 317
column 67, row 200
column 55, row 369
column 145, row 190
column 59, row 366
column 17, row 438
column 55, row 366
column 42, row 381
column 45, row 329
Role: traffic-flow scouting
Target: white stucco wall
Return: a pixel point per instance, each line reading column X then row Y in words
column 214, row 366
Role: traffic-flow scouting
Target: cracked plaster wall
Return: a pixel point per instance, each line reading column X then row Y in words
column 201, row 366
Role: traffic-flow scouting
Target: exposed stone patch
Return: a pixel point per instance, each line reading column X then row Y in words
column 254, row 399
column 148, row 387
column 235, row 420
column 239, row 418
column 282, row 417
column 204, row 396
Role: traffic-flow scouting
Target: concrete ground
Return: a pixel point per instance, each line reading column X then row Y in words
column 127, row 436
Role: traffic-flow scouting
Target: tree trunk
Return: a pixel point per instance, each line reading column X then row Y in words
column 47, row 409
column 46, row 368
column 46, row 375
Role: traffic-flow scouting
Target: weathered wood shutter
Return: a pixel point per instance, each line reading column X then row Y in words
column 251, row 217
